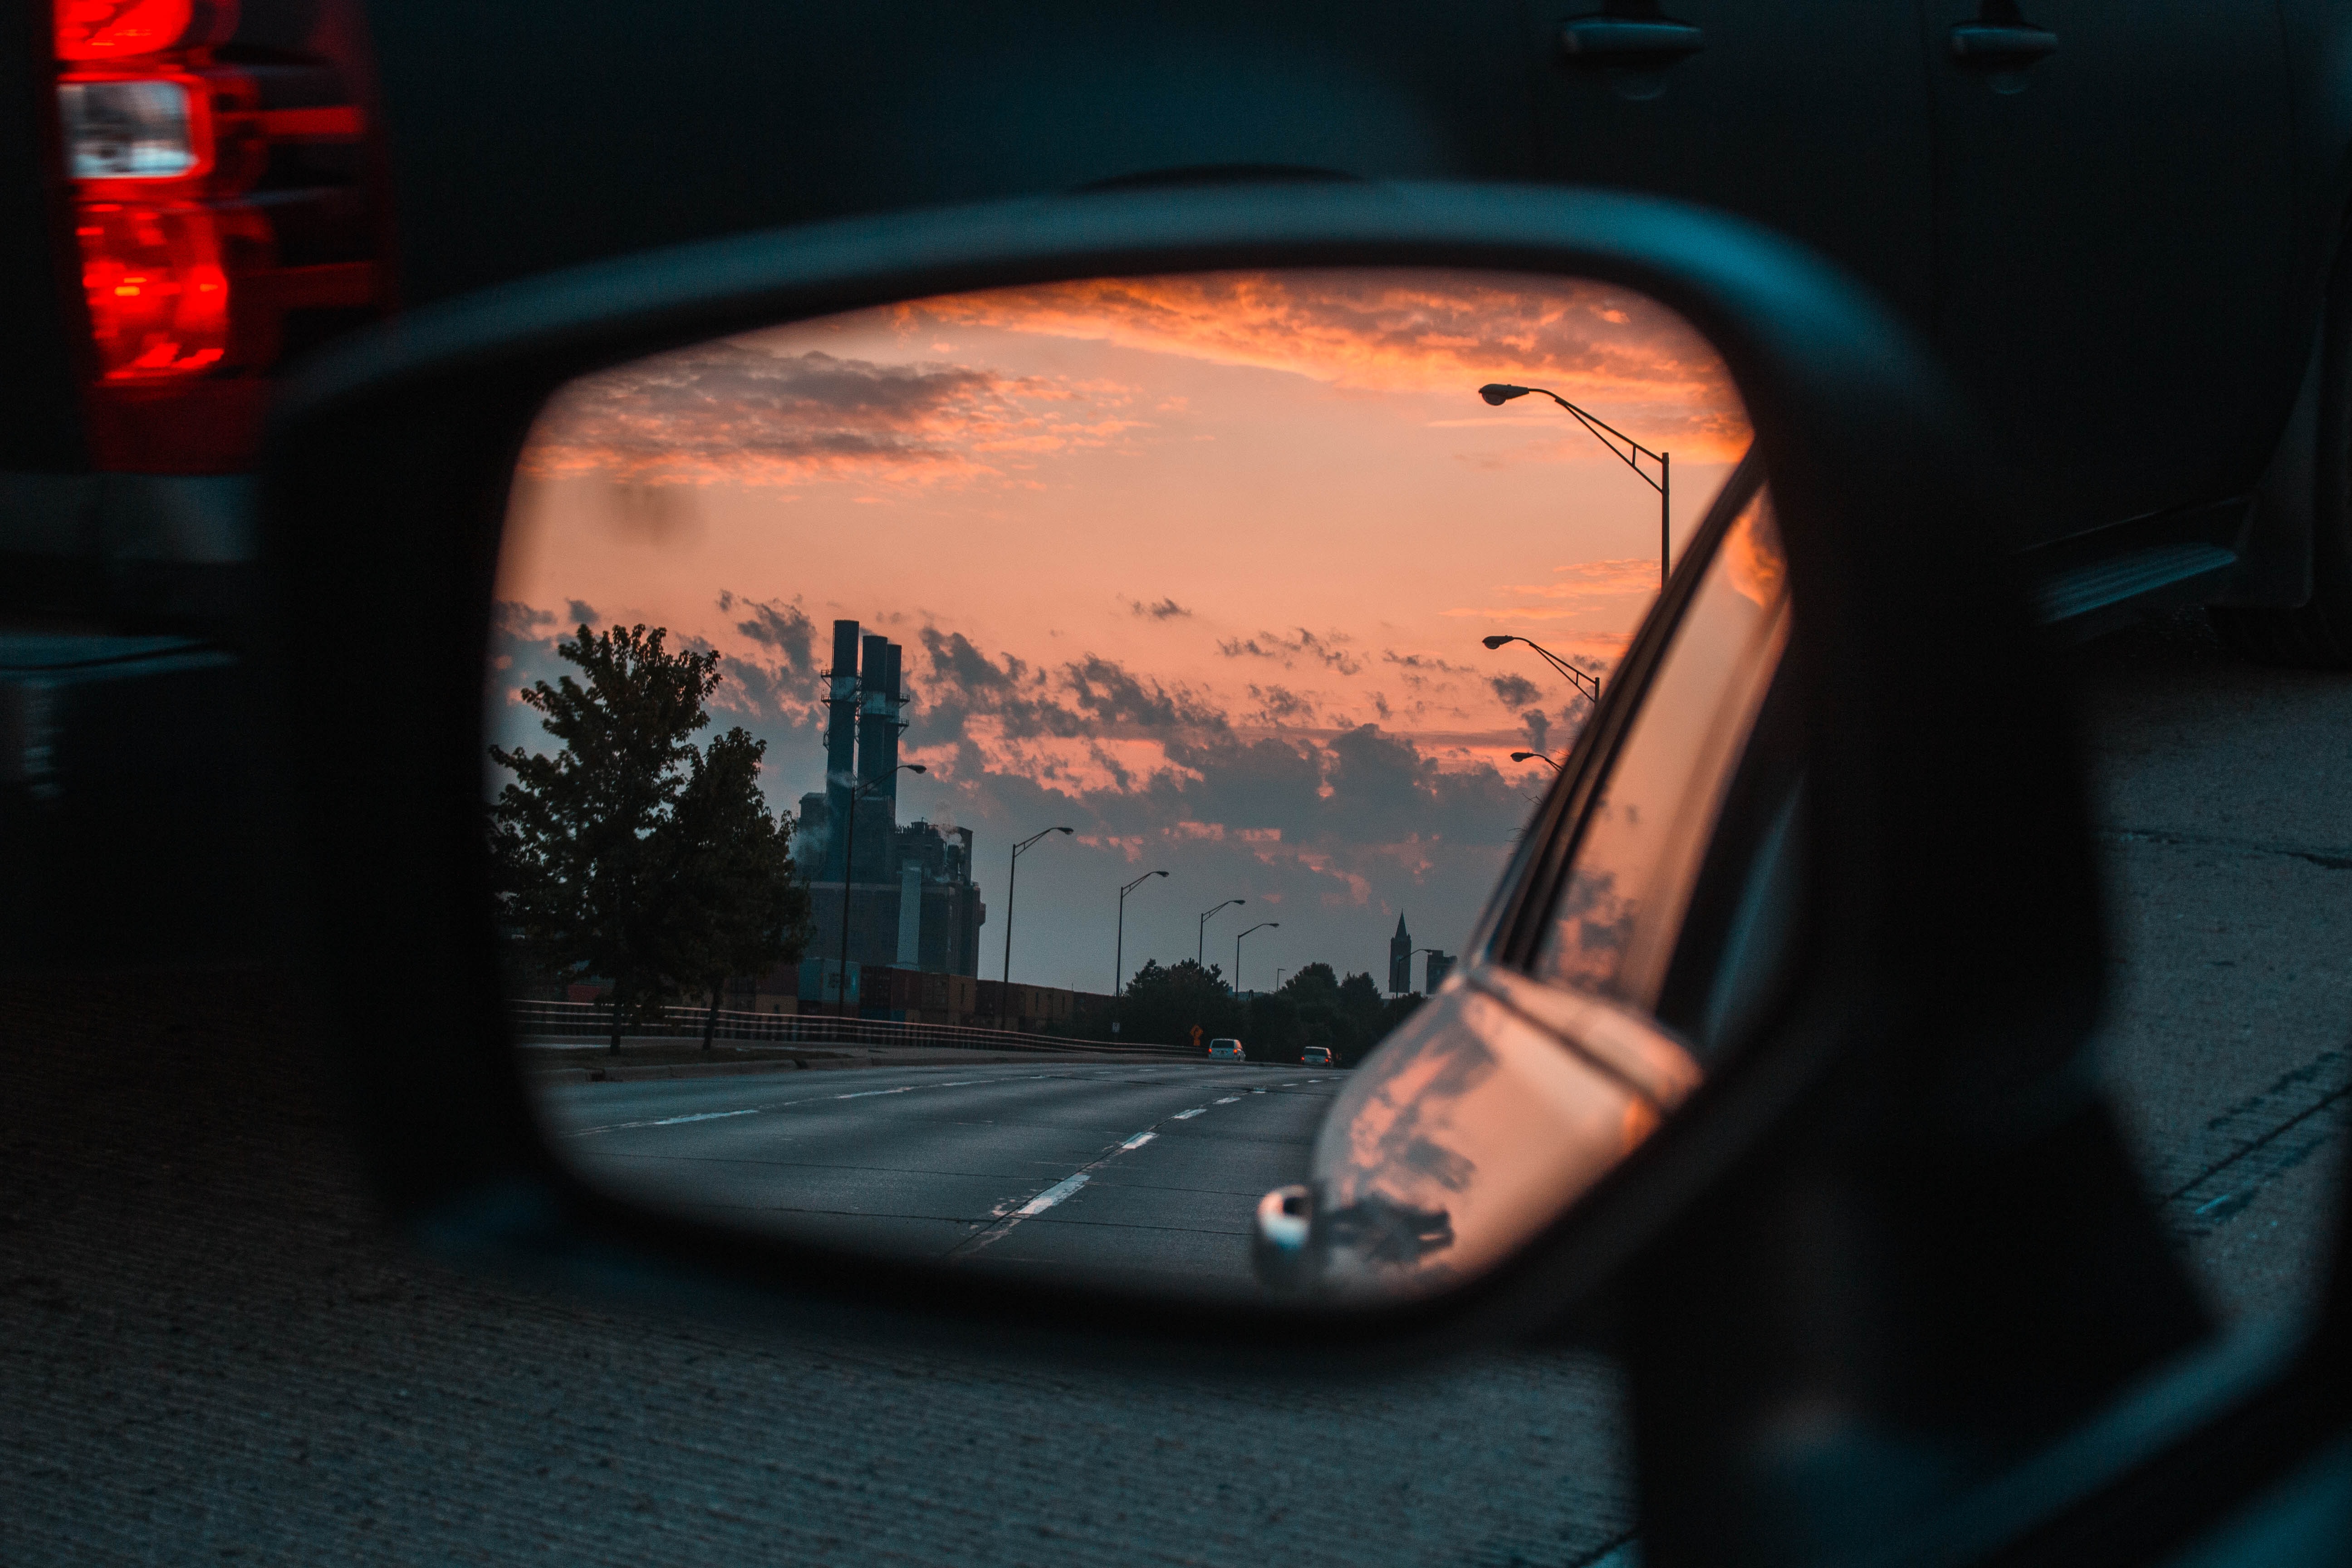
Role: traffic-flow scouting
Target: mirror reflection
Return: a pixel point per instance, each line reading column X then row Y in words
column 976, row 779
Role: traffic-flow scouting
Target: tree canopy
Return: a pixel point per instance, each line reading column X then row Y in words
column 629, row 852
column 1314, row 1007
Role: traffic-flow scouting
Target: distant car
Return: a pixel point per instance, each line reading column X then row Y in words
column 1230, row 1050
column 1317, row 1056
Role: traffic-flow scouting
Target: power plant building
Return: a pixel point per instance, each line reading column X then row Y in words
column 912, row 900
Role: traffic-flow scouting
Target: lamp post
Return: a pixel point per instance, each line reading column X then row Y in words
column 1583, row 680
column 1498, row 393
column 1010, row 876
column 1539, row 756
column 1261, row 925
column 1201, row 946
column 1118, row 953
column 849, row 871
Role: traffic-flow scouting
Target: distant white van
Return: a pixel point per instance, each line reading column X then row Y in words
column 1228, row 1050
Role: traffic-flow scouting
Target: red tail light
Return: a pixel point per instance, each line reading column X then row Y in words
column 223, row 211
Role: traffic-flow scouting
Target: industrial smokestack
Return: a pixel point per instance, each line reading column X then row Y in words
column 877, row 739
column 840, row 748
column 893, row 700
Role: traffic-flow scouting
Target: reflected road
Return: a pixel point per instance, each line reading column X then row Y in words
column 1147, row 1172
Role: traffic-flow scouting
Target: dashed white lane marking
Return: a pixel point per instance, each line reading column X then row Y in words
column 665, row 1121
column 1053, row 1195
column 870, row 1093
column 1230, row 1100
column 1187, row 1115
column 1001, row 1223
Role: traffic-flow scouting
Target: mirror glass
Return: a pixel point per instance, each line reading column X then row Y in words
column 977, row 779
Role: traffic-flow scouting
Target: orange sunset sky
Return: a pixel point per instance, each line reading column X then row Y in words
column 1198, row 566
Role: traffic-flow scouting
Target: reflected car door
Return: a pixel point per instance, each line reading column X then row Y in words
column 1813, row 120
column 2115, row 239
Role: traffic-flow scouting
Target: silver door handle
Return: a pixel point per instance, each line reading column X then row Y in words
column 2001, row 44
column 1619, row 37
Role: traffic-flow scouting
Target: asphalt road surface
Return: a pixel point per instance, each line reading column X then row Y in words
column 1144, row 1174
column 210, row 1353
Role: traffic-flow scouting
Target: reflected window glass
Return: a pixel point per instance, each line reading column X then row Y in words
column 1646, row 831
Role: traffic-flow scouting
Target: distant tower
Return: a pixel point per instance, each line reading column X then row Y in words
column 1441, row 964
column 1401, row 959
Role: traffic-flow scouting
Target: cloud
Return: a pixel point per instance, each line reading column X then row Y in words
column 783, row 628
column 1279, row 705
column 1399, row 329
column 1288, row 650
column 1166, row 609
column 582, row 612
column 1538, row 725
column 1137, row 761
column 748, row 412
column 1514, row 691
column 512, row 619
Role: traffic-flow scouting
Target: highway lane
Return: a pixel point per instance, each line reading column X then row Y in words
column 1146, row 1174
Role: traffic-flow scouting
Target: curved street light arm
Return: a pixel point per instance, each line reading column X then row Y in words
column 1582, row 680
column 1012, row 878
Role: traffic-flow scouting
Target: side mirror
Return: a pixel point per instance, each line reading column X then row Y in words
column 1780, row 854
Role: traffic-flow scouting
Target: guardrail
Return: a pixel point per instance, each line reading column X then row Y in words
column 591, row 1020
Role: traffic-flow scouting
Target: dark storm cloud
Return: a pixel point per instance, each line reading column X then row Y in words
column 1166, row 609
column 736, row 406
column 1280, row 705
column 1416, row 669
column 1085, row 698
column 782, row 627
column 1514, row 691
column 512, row 619
column 1289, row 651
column 1339, row 816
column 582, row 612
column 1537, row 724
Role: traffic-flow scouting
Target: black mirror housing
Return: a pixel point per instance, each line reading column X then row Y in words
column 1940, row 761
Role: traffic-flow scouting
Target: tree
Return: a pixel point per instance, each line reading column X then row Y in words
column 626, row 851
column 1163, row 1002
column 742, row 909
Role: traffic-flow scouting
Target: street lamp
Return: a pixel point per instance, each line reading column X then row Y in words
column 1201, row 946
column 1582, row 680
column 1498, row 393
column 1416, row 952
column 1539, row 756
column 849, row 870
column 1261, row 925
column 1118, row 953
column 1009, row 877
